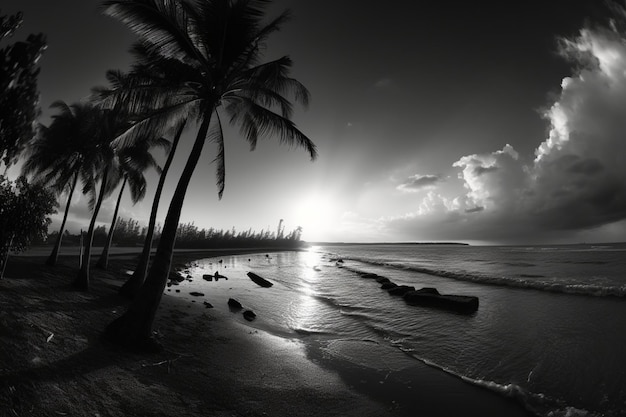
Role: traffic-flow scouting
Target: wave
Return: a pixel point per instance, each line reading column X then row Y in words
column 537, row 403
column 308, row 332
column 595, row 290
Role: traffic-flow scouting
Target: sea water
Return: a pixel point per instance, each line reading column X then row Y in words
column 550, row 330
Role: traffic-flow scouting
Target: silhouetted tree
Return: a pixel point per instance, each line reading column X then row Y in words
column 219, row 43
column 24, row 215
column 132, row 285
column 109, row 123
column 64, row 153
column 19, row 100
column 149, row 70
column 132, row 162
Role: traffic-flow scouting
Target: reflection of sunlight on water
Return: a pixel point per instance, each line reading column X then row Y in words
column 304, row 309
column 311, row 256
column 303, row 315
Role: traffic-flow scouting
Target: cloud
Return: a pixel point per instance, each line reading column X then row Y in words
column 576, row 181
column 492, row 180
column 419, row 182
column 578, row 176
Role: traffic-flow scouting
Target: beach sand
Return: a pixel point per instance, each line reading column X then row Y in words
column 52, row 362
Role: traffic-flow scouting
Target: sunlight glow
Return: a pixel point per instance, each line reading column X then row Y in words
column 315, row 213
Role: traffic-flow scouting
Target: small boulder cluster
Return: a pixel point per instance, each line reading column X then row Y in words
column 235, row 305
column 176, row 277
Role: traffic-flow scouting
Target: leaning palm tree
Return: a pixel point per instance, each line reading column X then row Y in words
column 149, row 70
column 133, row 161
column 107, row 126
column 62, row 154
column 132, row 285
column 218, row 44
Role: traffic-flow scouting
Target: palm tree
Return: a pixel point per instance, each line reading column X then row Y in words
column 218, row 44
column 133, row 161
column 132, row 285
column 148, row 71
column 63, row 153
column 108, row 124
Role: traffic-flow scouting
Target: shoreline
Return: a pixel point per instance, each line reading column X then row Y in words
column 213, row 364
column 52, row 361
column 410, row 380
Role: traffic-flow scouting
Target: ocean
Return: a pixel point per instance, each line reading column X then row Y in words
column 549, row 332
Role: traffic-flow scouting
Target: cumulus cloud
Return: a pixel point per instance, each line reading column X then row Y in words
column 419, row 182
column 577, row 178
column 492, row 180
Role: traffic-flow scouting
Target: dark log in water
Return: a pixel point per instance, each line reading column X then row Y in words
column 430, row 297
column 259, row 280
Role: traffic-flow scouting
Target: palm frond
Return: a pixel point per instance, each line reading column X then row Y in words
column 216, row 134
column 156, row 122
column 250, row 56
column 163, row 25
column 137, row 185
column 274, row 75
column 256, row 119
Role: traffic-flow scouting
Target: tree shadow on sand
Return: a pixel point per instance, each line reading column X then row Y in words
column 20, row 389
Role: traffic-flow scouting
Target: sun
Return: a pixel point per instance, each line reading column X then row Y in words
column 315, row 213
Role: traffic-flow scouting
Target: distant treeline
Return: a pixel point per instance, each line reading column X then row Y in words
column 129, row 232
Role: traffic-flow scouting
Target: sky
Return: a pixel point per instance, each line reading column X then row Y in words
column 435, row 121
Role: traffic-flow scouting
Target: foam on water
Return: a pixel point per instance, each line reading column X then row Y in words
column 601, row 288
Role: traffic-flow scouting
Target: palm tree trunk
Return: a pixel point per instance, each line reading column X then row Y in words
column 103, row 262
column 134, row 328
column 54, row 256
column 3, row 262
column 82, row 280
column 132, row 285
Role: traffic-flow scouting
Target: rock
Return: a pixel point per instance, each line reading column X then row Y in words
column 249, row 315
column 177, row 290
column 234, row 304
column 382, row 280
column 208, row 305
column 207, row 277
column 369, row 275
column 430, row 297
column 259, row 280
column 388, row 285
column 196, row 294
column 400, row 290
column 176, row 277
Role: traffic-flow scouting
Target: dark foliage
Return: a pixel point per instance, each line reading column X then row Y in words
column 19, row 101
column 129, row 232
column 24, row 215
